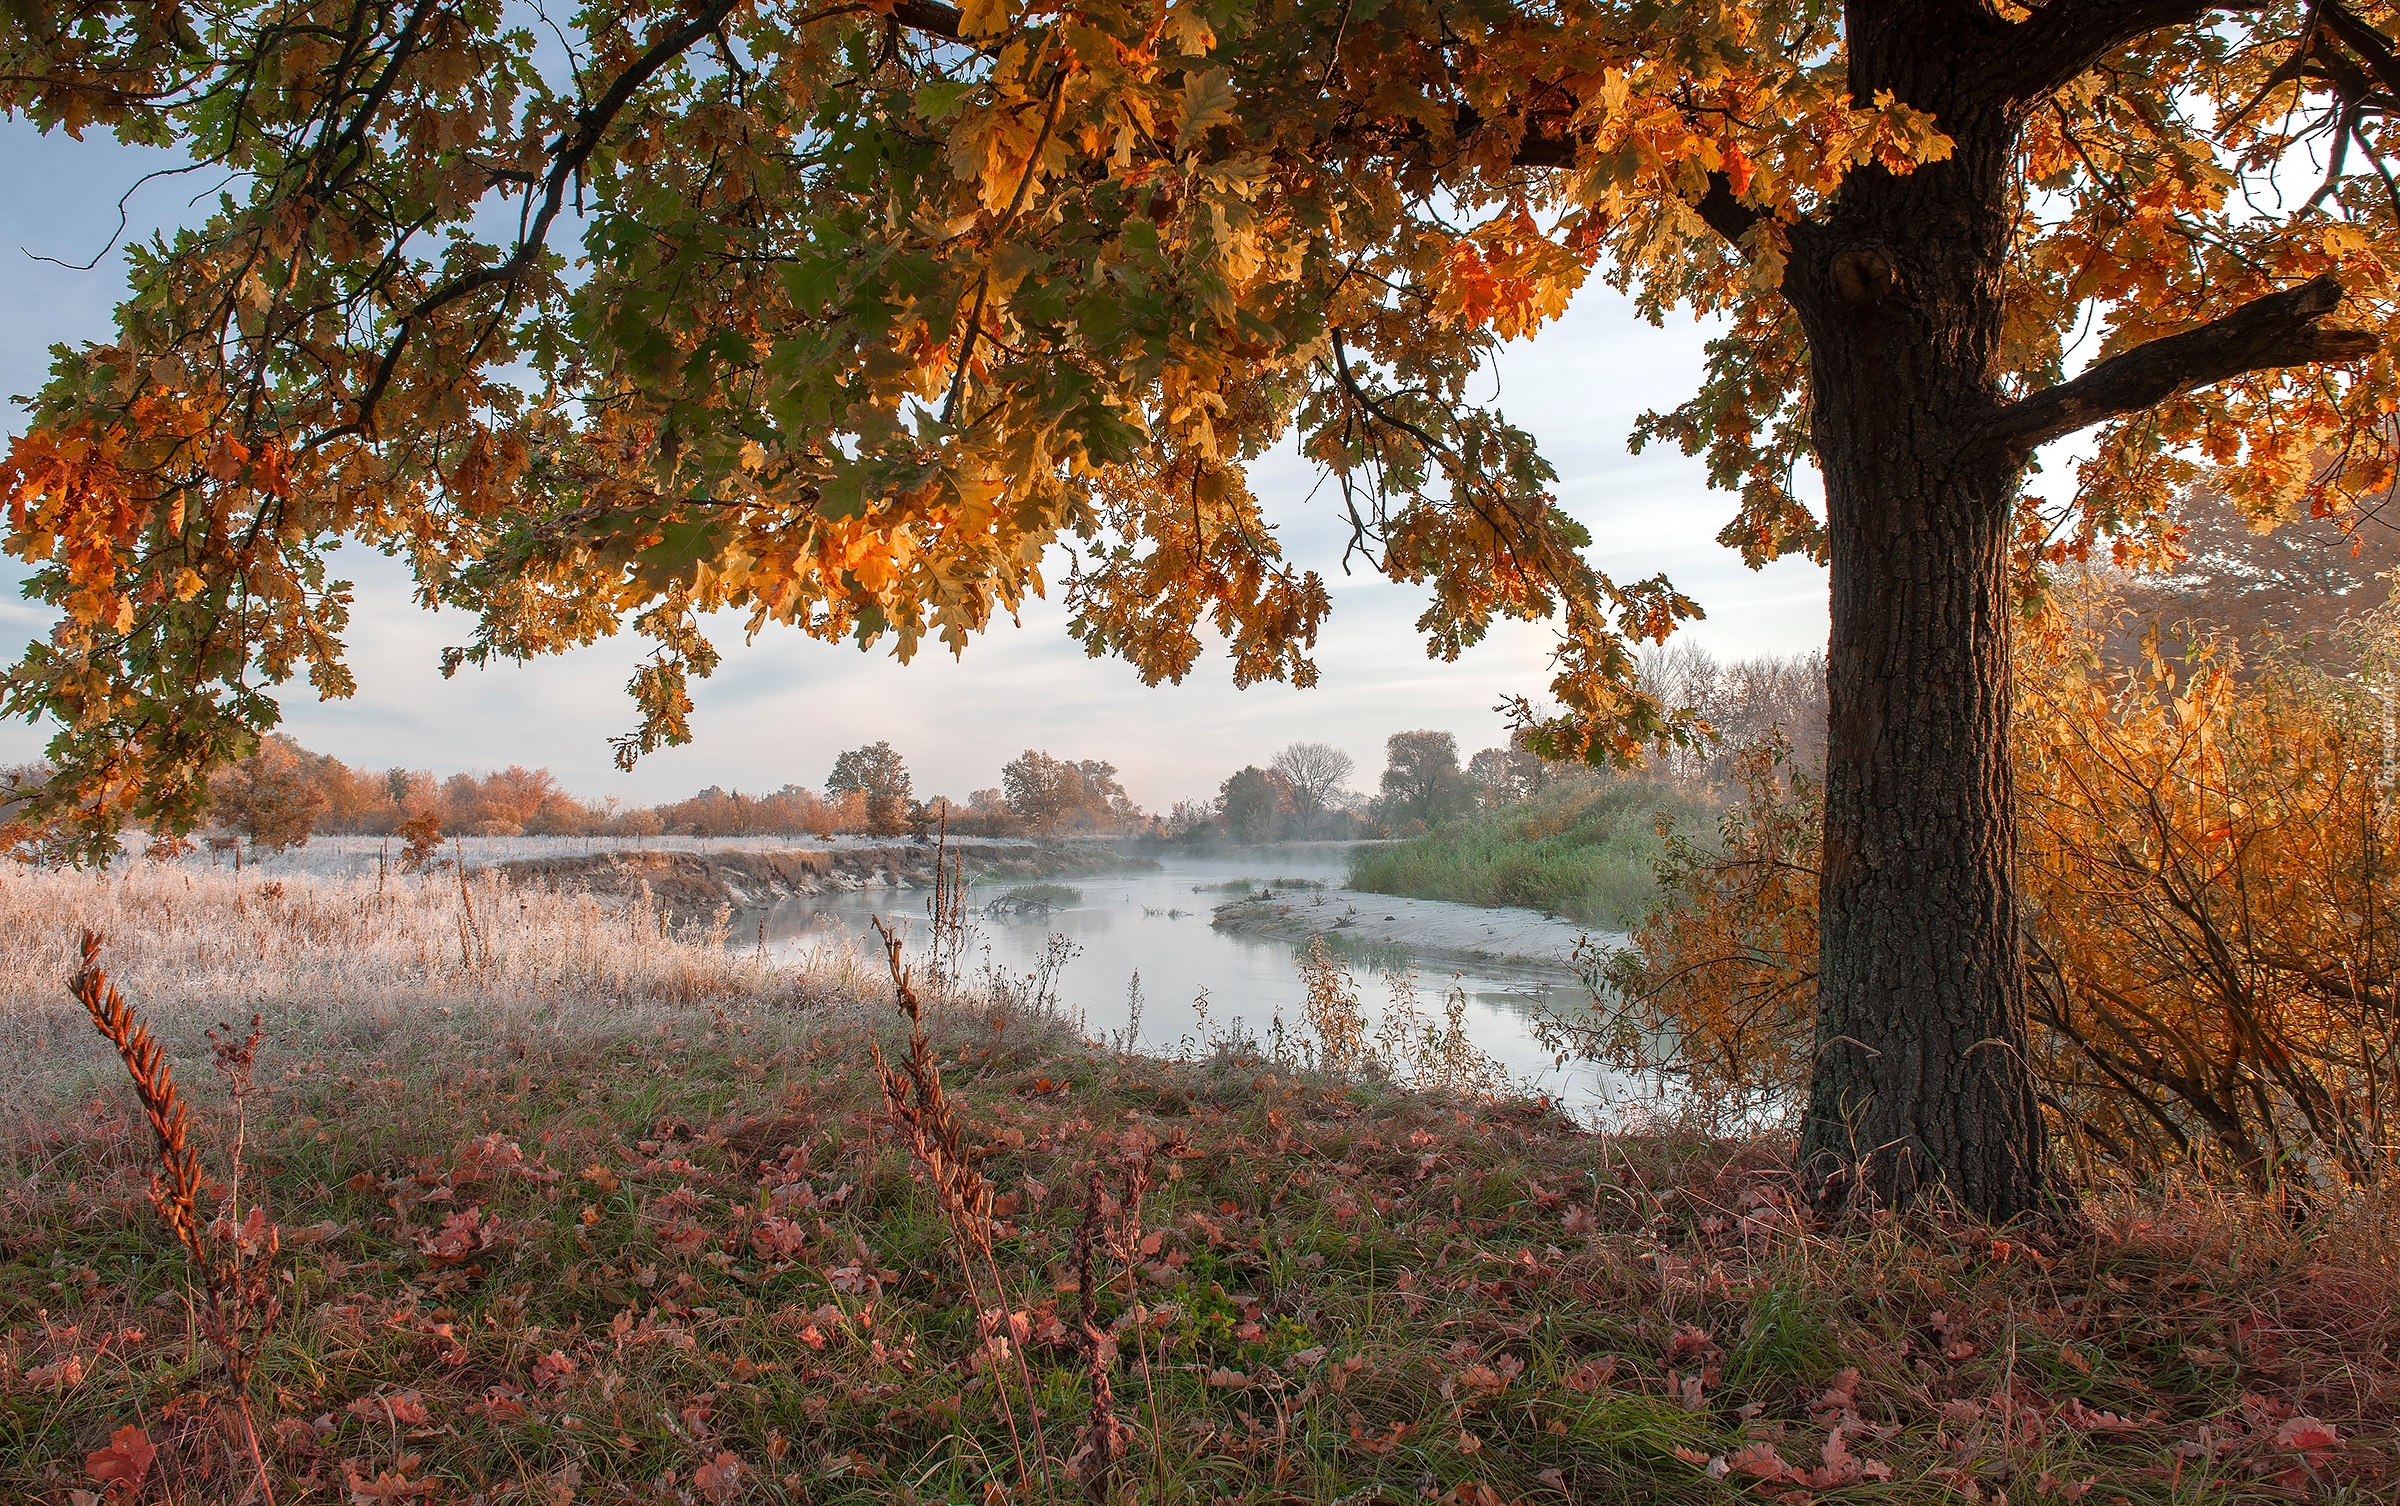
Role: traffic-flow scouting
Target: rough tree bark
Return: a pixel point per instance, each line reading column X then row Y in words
column 1921, row 1074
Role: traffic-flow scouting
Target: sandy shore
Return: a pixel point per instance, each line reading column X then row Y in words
column 1428, row 927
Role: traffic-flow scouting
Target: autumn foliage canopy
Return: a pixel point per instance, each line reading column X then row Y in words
column 845, row 317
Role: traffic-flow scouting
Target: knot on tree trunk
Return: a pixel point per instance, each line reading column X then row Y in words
column 1862, row 275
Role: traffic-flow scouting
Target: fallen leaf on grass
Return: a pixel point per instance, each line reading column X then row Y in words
column 2307, row 1435
column 462, row 1236
column 61, row 1376
column 2073, row 1413
column 778, row 1236
column 1714, row 1464
column 720, row 1480
column 126, row 1459
column 406, row 1409
column 388, row 1485
column 858, row 1280
column 1369, row 1444
column 1839, row 1466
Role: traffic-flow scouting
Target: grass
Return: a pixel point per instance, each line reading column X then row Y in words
column 1582, row 851
column 633, row 1224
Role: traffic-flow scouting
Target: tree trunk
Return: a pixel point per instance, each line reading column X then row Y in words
column 1921, row 1075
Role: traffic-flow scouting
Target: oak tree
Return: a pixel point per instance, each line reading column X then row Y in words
column 846, row 314
column 1422, row 781
column 876, row 774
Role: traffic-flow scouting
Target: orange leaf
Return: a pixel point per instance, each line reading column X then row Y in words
column 126, row 1458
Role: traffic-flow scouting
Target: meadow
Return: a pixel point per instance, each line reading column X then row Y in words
column 570, row 1203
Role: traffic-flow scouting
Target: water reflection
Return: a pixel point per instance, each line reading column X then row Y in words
column 1155, row 926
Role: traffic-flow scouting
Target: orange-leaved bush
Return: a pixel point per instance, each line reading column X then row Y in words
column 2209, row 872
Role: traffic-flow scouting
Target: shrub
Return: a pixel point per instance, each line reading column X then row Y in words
column 2209, row 889
column 1033, row 899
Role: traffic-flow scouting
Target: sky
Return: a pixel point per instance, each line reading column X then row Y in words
column 779, row 709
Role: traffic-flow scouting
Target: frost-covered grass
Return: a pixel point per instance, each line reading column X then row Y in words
column 609, row 1215
column 352, row 955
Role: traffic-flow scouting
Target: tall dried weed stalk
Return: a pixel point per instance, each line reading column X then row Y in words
column 935, row 1132
column 946, row 907
column 235, row 1252
column 1094, row 1462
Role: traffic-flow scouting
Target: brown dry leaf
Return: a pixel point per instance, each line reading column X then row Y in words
column 1592, row 1375
column 720, row 1480
column 462, row 1236
column 126, row 1459
column 64, row 1375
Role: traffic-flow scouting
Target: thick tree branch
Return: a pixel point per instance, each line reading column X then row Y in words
column 2372, row 47
column 2281, row 329
column 2065, row 38
column 929, row 16
column 569, row 154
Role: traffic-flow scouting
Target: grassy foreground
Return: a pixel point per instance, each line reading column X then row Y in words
column 658, row 1241
column 1582, row 850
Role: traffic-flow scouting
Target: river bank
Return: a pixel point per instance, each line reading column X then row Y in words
column 758, row 880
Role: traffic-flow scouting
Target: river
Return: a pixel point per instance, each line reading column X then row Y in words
column 1154, row 926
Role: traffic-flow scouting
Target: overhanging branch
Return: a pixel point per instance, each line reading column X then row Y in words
column 2281, row 329
column 2372, row 47
column 2063, row 40
column 1539, row 148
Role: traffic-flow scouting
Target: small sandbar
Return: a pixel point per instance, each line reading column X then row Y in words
column 1429, row 928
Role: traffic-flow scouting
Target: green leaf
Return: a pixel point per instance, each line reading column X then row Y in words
column 940, row 101
column 681, row 545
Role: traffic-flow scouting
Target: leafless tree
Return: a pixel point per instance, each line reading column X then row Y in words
column 1317, row 772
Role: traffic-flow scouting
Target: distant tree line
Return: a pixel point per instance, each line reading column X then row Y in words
column 283, row 794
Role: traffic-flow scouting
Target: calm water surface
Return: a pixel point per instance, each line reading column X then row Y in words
column 1155, row 926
